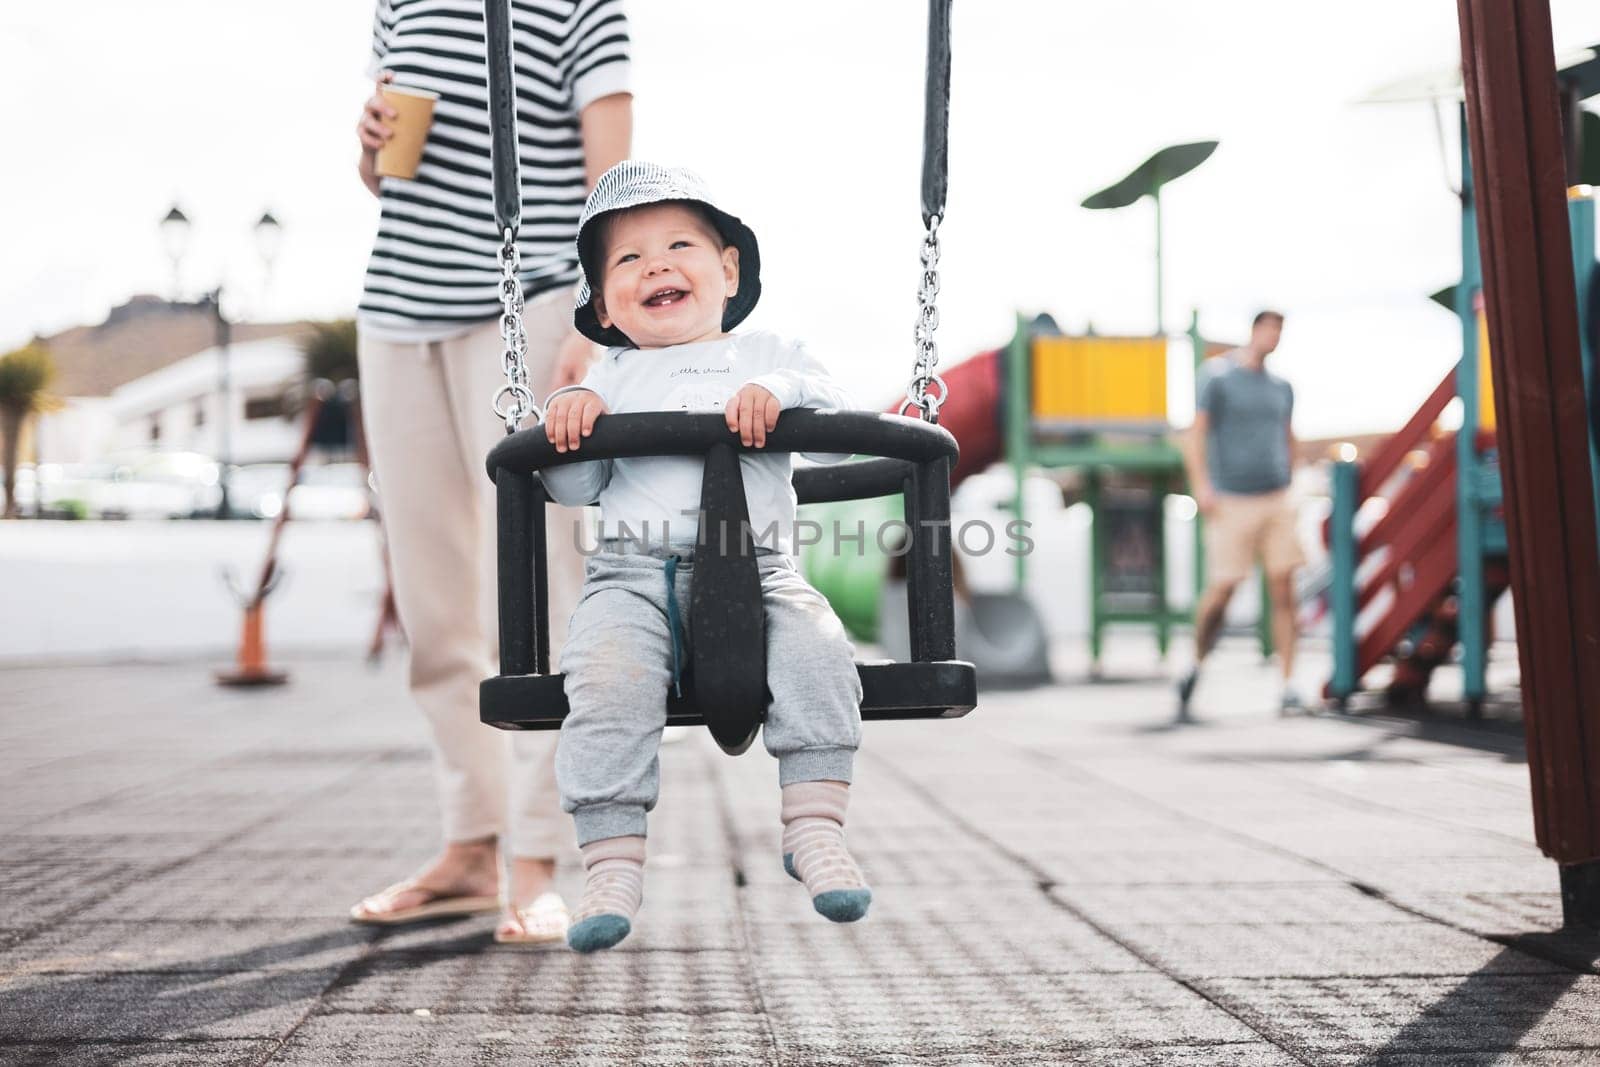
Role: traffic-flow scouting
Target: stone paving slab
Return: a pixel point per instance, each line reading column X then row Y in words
column 222, row 885
column 1345, row 1020
column 550, row 979
column 935, row 948
column 1576, row 1057
column 1242, row 1054
column 659, row 1039
column 239, row 1053
column 1528, row 874
column 157, row 1006
column 1486, row 913
column 41, row 882
column 1315, row 949
column 1274, row 904
column 1230, row 864
column 965, row 1015
column 186, row 945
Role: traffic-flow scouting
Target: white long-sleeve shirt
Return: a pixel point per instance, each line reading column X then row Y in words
column 657, row 498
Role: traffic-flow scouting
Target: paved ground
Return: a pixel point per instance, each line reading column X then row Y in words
column 1060, row 878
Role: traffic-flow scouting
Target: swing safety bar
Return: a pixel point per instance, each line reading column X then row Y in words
column 915, row 459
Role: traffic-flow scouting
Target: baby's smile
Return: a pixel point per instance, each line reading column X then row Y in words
column 666, row 297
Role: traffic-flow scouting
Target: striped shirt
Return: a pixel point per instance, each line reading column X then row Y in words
column 433, row 268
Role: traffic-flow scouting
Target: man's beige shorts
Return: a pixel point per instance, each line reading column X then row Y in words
column 1243, row 528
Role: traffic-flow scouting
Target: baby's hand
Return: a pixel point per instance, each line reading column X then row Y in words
column 570, row 418
column 753, row 412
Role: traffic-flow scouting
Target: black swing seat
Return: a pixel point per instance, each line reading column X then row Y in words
column 889, row 690
column 724, row 687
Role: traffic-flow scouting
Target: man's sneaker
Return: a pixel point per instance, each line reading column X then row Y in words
column 1291, row 704
column 1186, row 684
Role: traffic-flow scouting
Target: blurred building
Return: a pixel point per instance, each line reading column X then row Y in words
column 147, row 378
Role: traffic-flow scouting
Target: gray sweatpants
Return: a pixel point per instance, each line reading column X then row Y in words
column 618, row 663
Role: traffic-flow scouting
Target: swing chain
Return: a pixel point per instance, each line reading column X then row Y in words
column 927, row 390
column 515, row 359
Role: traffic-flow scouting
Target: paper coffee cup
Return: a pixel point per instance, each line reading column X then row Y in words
column 413, row 115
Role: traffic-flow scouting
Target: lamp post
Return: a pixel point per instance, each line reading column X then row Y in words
column 1146, row 179
column 175, row 230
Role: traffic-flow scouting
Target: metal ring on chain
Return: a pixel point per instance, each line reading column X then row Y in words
column 930, row 401
column 525, row 404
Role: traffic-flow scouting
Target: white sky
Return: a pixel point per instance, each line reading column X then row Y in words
column 807, row 120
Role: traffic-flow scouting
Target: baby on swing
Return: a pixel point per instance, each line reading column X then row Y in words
column 666, row 276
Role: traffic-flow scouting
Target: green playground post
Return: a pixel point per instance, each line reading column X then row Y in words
column 1162, row 488
column 1161, row 317
column 1018, row 400
column 1097, row 562
column 1198, row 345
column 1469, row 504
column 1342, row 593
column 1581, row 213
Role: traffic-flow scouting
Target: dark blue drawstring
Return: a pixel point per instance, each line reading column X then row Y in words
column 671, row 572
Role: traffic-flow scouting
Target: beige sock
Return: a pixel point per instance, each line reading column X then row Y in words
column 615, row 882
column 813, row 838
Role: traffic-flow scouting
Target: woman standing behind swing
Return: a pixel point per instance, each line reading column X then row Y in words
column 430, row 354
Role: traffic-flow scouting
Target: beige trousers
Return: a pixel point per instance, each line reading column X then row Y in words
column 429, row 427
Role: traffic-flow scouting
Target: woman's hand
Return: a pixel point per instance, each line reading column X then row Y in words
column 373, row 132
column 570, row 418
column 752, row 414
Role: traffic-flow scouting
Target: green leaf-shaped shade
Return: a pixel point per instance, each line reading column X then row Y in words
column 1171, row 162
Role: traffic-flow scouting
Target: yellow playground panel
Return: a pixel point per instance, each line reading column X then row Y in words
column 1485, row 375
column 1100, row 382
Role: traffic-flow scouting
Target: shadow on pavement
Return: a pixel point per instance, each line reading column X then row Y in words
column 1490, row 1009
column 176, row 997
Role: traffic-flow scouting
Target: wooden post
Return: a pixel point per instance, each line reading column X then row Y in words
column 1513, row 116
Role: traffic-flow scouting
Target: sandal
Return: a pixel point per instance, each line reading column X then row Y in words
column 544, row 921
column 379, row 909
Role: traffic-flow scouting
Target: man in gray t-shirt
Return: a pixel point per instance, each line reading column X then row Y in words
column 1239, row 456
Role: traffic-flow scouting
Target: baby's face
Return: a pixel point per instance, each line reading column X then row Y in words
column 666, row 276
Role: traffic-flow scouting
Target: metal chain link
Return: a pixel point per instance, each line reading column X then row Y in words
column 927, row 390
column 513, row 401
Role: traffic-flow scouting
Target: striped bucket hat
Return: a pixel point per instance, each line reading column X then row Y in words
column 634, row 183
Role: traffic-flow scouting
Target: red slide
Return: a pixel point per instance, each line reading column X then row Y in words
column 973, row 413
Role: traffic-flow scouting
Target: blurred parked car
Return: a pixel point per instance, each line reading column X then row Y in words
column 158, row 485
column 67, row 490
column 324, row 492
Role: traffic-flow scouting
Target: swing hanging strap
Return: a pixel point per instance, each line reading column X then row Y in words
column 514, row 401
column 927, row 391
column 936, row 113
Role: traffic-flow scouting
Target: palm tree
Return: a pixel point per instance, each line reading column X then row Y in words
column 330, row 350
column 24, row 375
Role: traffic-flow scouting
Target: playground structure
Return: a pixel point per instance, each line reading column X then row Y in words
column 1417, row 539
column 1098, row 406
column 1094, row 406
column 1417, row 535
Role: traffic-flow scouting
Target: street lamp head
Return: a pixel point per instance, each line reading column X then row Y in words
column 175, row 239
column 269, row 237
